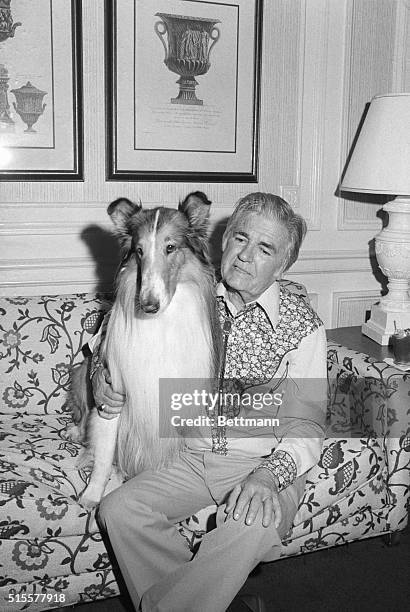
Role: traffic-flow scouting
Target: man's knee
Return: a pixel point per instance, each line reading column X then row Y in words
column 256, row 530
column 123, row 505
column 257, row 533
column 109, row 508
column 289, row 500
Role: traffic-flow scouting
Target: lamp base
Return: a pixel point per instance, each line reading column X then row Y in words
column 382, row 324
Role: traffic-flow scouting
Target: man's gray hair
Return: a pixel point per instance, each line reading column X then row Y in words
column 273, row 207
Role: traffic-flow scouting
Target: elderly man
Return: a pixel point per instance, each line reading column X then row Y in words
column 255, row 476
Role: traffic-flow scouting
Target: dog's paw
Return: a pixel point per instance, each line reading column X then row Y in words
column 87, row 503
column 90, row 497
column 75, row 434
column 85, row 460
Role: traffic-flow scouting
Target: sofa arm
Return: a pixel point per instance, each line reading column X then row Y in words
column 369, row 398
column 366, row 397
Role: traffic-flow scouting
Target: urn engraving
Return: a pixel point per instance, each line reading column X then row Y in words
column 29, row 104
column 7, row 27
column 188, row 45
column 6, row 122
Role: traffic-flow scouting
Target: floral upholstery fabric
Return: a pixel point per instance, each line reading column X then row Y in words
column 39, row 341
column 51, row 551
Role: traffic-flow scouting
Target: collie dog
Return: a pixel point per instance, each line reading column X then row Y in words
column 163, row 325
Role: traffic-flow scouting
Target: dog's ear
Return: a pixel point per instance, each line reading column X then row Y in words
column 196, row 207
column 120, row 211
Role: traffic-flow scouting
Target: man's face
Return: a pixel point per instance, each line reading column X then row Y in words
column 254, row 255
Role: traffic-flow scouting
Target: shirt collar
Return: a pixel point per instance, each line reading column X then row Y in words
column 269, row 301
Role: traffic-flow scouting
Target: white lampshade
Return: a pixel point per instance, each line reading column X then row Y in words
column 380, row 162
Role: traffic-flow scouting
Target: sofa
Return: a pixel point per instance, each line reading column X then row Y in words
column 51, row 551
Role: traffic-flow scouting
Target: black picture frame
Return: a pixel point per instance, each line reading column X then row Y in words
column 53, row 150
column 125, row 159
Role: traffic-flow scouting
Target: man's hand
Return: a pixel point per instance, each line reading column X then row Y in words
column 258, row 489
column 105, row 395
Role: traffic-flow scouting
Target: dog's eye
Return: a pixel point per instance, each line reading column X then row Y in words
column 170, row 248
column 138, row 251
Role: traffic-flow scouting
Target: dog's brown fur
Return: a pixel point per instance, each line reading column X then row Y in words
column 147, row 282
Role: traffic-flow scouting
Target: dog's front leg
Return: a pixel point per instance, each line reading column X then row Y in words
column 102, row 440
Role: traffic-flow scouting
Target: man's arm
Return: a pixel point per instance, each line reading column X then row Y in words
column 303, row 412
column 103, row 392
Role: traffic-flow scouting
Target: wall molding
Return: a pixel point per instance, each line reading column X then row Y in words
column 333, row 262
column 371, row 28
column 50, row 276
column 349, row 307
column 313, row 97
column 48, row 285
column 102, row 205
column 400, row 63
column 42, row 229
column 42, row 263
column 309, row 262
column 19, row 226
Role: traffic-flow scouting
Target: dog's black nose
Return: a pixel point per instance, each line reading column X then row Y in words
column 151, row 308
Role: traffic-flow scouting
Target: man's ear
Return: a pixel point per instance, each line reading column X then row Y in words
column 196, row 207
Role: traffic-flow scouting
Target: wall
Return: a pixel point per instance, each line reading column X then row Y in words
column 322, row 61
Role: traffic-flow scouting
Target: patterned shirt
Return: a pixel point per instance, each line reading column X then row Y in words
column 275, row 343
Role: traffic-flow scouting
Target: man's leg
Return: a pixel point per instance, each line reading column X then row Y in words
column 226, row 555
column 139, row 518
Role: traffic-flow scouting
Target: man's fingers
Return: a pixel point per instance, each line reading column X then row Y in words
column 104, row 393
column 242, row 503
column 277, row 510
column 104, row 398
column 247, row 498
column 232, row 499
column 115, row 398
column 253, row 509
column 267, row 512
column 110, row 409
column 108, row 415
column 107, row 411
column 271, row 509
column 114, row 395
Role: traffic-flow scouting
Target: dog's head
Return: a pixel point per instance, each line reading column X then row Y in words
column 156, row 243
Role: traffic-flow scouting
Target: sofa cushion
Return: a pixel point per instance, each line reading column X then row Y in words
column 39, row 479
column 44, row 532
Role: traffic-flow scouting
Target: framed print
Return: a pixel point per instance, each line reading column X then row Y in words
column 183, row 80
column 41, row 136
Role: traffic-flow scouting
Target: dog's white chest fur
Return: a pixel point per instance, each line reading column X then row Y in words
column 141, row 351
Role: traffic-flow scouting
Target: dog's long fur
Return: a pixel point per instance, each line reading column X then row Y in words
column 163, row 324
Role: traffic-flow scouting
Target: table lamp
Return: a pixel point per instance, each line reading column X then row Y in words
column 380, row 164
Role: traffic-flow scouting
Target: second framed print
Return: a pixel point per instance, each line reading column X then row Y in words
column 183, row 81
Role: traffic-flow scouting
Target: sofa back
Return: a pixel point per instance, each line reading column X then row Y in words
column 40, row 338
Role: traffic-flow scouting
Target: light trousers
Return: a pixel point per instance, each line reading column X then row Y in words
column 155, row 560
